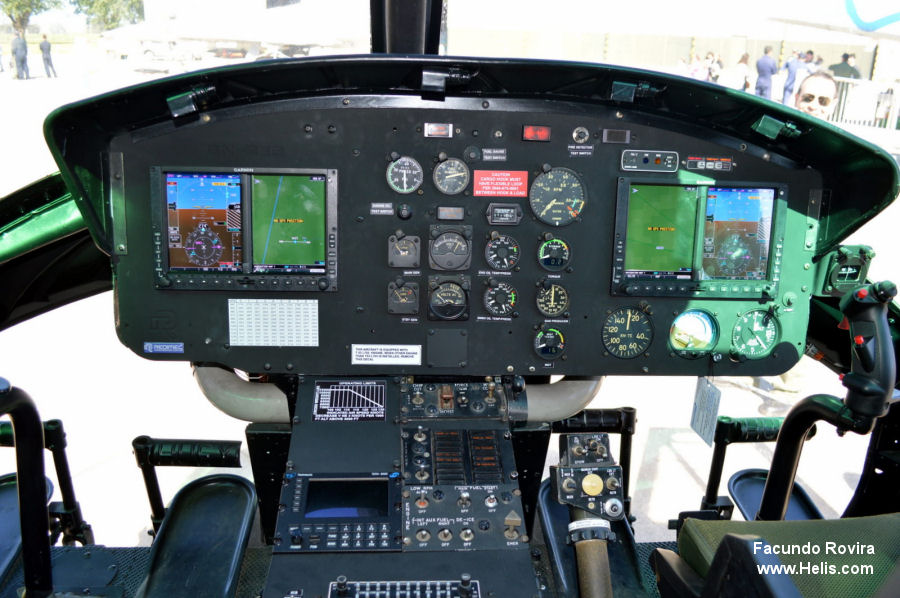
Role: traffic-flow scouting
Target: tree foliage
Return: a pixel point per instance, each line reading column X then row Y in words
column 21, row 11
column 109, row 14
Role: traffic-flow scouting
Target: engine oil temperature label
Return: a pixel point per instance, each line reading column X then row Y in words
column 501, row 183
column 349, row 401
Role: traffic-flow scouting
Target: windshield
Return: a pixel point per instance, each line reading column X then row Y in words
column 94, row 51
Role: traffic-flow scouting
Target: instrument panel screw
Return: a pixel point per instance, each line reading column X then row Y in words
column 121, row 247
column 485, row 104
column 346, row 101
column 510, row 369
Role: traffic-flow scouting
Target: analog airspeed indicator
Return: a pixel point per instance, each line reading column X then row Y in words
column 627, row 333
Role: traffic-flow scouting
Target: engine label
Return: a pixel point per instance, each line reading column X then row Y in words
column 501, row 183
column 273, row 322
column 386, row 355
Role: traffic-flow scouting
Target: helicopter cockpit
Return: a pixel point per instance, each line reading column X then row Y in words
column 381, row 261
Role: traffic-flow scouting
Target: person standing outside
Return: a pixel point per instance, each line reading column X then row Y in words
column 817, row 95
column 765, row 68
column 800, row 62
column 20, row 54
column 845, row 67
column 45, row 54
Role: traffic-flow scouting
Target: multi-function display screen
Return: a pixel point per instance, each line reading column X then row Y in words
column 660, row 231
column 288, row 222
column 258, row 223
column 736, row 233
column 346, row 499
column 686, row 232
column 204, row 221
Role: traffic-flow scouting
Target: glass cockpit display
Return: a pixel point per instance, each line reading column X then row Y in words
column 288, row 216
column 660, row 231
column 736, row 233
column 204, row 221
column 676, row 239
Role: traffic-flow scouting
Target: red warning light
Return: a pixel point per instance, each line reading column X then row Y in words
column 535, row 133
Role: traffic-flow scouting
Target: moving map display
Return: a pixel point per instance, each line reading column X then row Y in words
column 662, row 220
column 204, row 221
column 288, row 222
column 737, row 232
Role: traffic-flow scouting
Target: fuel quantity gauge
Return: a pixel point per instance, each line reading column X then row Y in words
column 754, row 335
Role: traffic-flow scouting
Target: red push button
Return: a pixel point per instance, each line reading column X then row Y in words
column 862, row 293
column 859, row 340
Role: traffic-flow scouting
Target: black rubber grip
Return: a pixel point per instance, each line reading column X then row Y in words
column 191, row 453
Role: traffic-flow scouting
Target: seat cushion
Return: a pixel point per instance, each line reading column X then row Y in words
column 833, row 557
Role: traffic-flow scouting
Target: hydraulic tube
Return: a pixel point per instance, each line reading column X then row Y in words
column 33, row 514
column 588, row 533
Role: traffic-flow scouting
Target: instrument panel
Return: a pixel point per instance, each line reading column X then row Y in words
column 388, row 234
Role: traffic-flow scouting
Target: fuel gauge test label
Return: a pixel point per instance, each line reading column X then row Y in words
column 500, row 183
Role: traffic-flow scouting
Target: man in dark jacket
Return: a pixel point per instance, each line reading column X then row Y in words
column 20, row 54
column 45, row 54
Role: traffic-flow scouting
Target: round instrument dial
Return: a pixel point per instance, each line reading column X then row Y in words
column 203, row 247
column 557, row 197
column 449, row 251
column 734, row 256
column 448, row 301
column 404, row 295
column 500, row 299
column 552, row 300
column 405, row 175
column 554, row 255
column 693, row 332
column 627, row 333
column 502, row 253
column 451, row 176
column 549, row 343
column 754, row 334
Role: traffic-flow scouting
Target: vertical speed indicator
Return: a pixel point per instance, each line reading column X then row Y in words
column 627, row 333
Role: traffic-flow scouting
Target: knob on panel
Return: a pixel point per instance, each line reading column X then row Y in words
column 592, row 484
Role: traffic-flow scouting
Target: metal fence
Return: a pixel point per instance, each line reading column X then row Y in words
column 864, row 103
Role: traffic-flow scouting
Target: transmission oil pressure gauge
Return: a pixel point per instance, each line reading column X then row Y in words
column 451, row 176
column 557, row 196
column 549, row 343
column 627, row 333
column 754, row 334
column 693, row 333
column 500, row 299
column 552, row 300
column 502, row 252
column 405, row 175
column 554, row 255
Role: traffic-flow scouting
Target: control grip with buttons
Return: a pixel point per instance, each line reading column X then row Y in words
column 872, row 374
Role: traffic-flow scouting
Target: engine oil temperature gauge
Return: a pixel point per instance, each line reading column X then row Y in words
column 754, row 334
column 502, row 252
column 693, row 333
